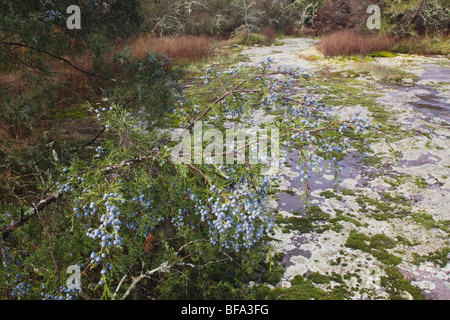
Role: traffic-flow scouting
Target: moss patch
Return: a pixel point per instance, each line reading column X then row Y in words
column 438, row 257
column 303, row 225
column 315, row 213
column 428, row 222
column 318, row 278
column 330, row 194
column 358, row 241
column 273, row 275
column 376, row 246
column 302, row 289
column 381, row 241
column 396, row 284
column 421, row 183
column 382, row 54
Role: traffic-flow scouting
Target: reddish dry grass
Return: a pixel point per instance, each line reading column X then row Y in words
column 348, row 42
column 270, row 34
column 182, row 49
column 299, row 32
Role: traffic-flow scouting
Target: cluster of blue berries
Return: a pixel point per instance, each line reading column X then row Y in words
column 53, row 15
column 21, row 289
column 108, row 230
column 237, row 218
column 99, row 151
column 86, row 210
column 64, row 188
column 63, row 294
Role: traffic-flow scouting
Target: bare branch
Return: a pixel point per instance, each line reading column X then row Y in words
column 164, row 267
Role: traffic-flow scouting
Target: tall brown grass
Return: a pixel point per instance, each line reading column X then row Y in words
column 299, row 32
column 348, row 42
column 181, row 49
column 270, row 34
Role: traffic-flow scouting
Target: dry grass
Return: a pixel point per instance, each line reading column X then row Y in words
column 181, row 49
column 270, row 34
column 347, row 42
column 299, row 32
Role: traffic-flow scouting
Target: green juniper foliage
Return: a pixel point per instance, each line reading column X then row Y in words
column 138, row 224
column 191, row 231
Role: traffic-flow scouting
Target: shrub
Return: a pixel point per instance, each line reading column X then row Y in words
column 342, row 14
column 350, row 42
column 439, row 45
column 425, row 17
column 249, row 39
column 180, row 49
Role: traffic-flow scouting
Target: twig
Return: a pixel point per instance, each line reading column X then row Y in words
column 120, row 284
column 55, row 57
column 216, row 102
column 164, row 267
column 28, row 214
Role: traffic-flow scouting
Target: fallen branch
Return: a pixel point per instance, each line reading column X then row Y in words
column 216, row 102
column 29, row 214
column 164, row 267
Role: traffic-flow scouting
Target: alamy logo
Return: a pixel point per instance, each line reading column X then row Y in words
column 74, row 21
column 74, row 281
column 374, row 21
column 241, row 146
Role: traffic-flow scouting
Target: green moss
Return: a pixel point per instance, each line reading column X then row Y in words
column 279, row 256
column 396, row 284
column 301, row 289
column 71, row 113
column 273, row 275
column 346, row 92
column 438, row 257
column 304, row 225
column 260, row 292
column 373, row 161
column 318, row 278
column 381, row 241
column 392, row 205
column 336, row 278
column 341, row 217
column 250, row 39
column 389, row 129
column 336, row 262
column 396, row 181
column 421, row 183
column 404, row 241
column 330, row 194
column 290, row 192
column 426, row 220
column 348, row 193
column 315, row 213
column 375, row 246
column 382, row 54
column 385, row 257
column 337, row 227
column 357, row 241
